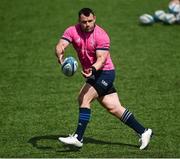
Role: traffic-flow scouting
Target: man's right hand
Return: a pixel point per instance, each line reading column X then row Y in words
column 60, row 50
column 60, row 53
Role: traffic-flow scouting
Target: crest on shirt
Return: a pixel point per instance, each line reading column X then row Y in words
column 78, row 40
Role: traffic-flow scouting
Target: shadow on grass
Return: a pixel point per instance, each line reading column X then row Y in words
column 68, row 148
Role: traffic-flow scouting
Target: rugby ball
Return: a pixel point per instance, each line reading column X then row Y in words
column 69, row 66
column 178, row 18
column 159, row 15
column 169, row 18
column 146, row 19
column 174, row 8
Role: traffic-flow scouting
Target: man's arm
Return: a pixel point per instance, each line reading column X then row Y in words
column 60, row 49
column 101, row 58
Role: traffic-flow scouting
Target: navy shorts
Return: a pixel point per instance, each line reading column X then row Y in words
column 102, row 82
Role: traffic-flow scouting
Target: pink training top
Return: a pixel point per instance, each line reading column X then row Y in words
column 86, row 44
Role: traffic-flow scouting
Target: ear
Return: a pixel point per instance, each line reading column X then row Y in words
column 94, row 18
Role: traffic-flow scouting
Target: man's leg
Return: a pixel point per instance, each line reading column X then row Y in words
column 112, row 104
column 86, row 95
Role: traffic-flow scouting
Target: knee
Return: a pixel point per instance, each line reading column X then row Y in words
column 112, row 110
column 116, row 111
column 83, row 101
column 80, row 99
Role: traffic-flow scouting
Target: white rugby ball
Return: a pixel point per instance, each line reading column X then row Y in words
column 146, row 19
column 174, row 8
column 178, row 18
column 159, row 15
column 170, row 18
column 69, row 66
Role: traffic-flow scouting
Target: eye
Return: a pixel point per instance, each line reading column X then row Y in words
column 84, row 22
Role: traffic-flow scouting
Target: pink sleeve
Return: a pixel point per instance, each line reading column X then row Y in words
column 103, row 41
column 68, row 34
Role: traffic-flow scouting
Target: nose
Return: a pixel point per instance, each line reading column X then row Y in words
column 87, row 24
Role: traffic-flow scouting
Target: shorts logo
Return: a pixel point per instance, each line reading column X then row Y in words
column 104, row 83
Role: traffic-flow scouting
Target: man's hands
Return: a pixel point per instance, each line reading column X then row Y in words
column 101, row 58
column 60, row 53
column 88, row 72
column 60, row 50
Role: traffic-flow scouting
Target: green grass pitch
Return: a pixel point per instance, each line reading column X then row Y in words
column 38, row 103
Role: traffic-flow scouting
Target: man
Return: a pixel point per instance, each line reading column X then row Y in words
column 92, row 45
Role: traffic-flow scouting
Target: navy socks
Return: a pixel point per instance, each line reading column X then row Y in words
column 84, row 117
column 129, row 119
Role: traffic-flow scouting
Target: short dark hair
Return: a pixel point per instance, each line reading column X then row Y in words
column 86, row 12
